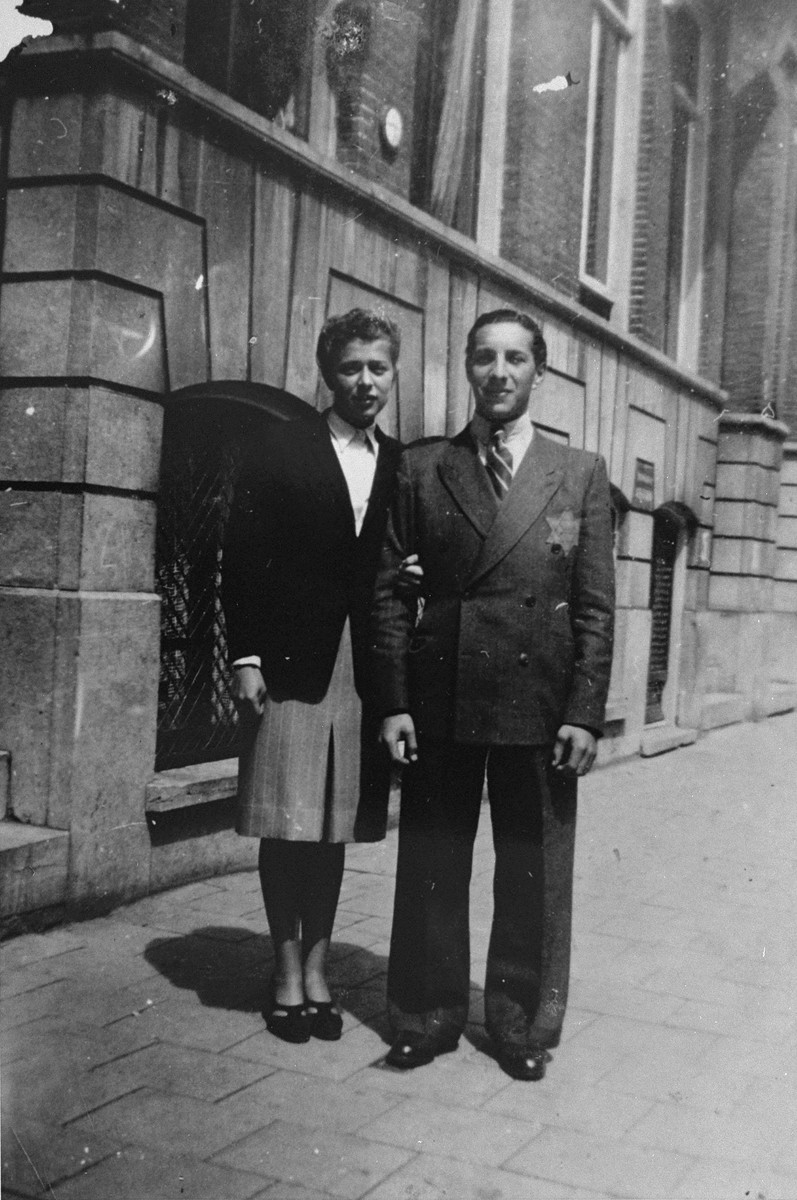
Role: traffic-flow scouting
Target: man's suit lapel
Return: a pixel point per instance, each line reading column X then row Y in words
column 466, row 480
column 536, row 480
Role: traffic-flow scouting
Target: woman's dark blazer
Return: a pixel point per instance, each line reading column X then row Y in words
column 293, row 568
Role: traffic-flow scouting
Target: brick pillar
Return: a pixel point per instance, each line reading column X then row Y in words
column 785, row 586
column 80, row 620
column 785, row 599
column 741, row 584
column 93, row 277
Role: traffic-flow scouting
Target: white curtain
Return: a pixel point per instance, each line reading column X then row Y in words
column 451, row 137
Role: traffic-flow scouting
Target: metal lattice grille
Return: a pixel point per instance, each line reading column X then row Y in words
column 203, row 448
column 665, row 536
column 207, row 429
column 196, row 717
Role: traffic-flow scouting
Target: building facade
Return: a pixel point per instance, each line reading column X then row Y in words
column 192, row 187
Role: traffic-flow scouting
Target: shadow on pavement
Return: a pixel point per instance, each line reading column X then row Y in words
column 229, row 968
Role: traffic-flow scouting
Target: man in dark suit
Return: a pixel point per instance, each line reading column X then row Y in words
column 505, row 673
column 300, row 559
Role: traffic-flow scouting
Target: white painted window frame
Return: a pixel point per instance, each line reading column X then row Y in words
column 687, row 353
column 616, row 287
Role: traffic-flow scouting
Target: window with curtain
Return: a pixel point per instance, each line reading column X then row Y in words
column 600, row 183
column 687, row 166
column 611, row 34
column 448, row 111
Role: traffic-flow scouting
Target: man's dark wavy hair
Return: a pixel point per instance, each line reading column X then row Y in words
column 507, row 316
column 361, row 323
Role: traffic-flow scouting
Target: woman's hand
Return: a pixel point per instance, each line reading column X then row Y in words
column 248, row 690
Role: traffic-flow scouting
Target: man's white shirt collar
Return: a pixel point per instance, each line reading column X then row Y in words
column 344, row 434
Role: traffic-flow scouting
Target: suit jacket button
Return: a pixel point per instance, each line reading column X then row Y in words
column 530, row 601
column 523, row 659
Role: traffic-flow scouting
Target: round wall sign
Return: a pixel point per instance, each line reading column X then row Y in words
column 392, row 128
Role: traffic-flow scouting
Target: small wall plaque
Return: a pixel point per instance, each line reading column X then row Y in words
column 644, row 485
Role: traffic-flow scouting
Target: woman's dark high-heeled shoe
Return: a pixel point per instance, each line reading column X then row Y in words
column 291, row 1022
column 325, row 1022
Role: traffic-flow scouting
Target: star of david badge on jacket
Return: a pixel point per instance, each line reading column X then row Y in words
column 564, row 530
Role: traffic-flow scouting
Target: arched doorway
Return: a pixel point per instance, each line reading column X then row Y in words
column 207, row 430
column 672, row 525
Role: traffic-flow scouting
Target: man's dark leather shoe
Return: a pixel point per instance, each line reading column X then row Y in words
column 412, row 1049
column 523, row 1062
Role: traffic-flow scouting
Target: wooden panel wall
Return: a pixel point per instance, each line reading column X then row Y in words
column 273, row 243
column 278, row 249
column 250, row 255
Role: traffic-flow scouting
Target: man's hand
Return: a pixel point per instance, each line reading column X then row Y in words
column 575, row 748
column 398, row 734
column 409, row 576
column 248, row 690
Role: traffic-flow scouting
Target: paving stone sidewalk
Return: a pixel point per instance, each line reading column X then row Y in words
column 136, row 1065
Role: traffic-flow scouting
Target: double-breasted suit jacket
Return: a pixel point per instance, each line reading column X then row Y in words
column 515, row 636
column 514, row 640
column 294, row 573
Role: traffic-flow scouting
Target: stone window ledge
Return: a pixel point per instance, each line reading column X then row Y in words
column 184, row 787
column 203, row 783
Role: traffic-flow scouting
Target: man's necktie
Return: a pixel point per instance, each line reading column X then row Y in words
column 498, row 461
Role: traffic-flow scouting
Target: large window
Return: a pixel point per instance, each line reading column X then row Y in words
column 688, row 48
column 449, row 107
column 612, row 114
column 258, row 52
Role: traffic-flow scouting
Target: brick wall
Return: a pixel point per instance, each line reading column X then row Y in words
column 759, row 357
column 754, row 161
column 159, row 24
column 385, row 79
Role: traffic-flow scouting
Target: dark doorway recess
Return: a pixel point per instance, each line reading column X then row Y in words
column 207, row 430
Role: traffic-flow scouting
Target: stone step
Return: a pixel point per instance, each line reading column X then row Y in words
column 780, row 697
column 723, row 708
column 34, row 864
column 658, row 739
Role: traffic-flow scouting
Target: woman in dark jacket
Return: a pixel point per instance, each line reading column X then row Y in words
column 299, row 565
